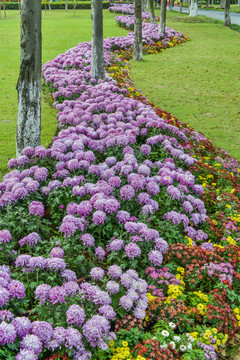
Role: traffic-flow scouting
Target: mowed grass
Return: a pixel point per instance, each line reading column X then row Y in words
column 60, row 31
column 199, row 81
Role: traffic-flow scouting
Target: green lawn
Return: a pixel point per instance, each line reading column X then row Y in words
column 198, row 82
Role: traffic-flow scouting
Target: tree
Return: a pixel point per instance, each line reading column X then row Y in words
column 29, row 81
column 162, row 23
column 180, row 10
column 137, row 48
column 193, row 8
column 3, row 7
column 66, row 5
column 151, row 11
column 49, row 5
column 74, row 7
column 97, row 57
column 227, row 17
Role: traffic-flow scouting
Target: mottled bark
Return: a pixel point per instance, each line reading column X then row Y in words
column 49, row 5
column 97, row 61
column 193, row 9
column 29, row 81
column 151, row 11
column 137, row 48
column 162, row 23
column 66, row 5
column 227, row 17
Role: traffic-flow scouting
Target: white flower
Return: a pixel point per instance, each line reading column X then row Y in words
column 173, row 344
column 191, row 339
column 172, row 325
column 177, row 338
column 189, row 346
column 182, row 348
column 165, row 333
column 164, row 346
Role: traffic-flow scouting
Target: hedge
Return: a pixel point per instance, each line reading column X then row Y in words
column 54, row 6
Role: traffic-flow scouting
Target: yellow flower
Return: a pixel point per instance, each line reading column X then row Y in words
column 124, row 343
column 228, row 206
column 214, row 330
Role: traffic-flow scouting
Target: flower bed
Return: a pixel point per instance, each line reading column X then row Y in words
column 121, row 239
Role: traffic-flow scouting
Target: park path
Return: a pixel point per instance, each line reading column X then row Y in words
column 219, row 15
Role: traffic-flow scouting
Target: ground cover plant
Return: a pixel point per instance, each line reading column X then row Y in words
column 121, row 239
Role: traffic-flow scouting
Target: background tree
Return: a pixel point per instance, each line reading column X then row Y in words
column 49, row 4
column 74, row 8
column 29, row 81
column 66, row 5
column 2, row 4
column 137, row 48
column 180, row 9
column 151, row 11
column 162, row 23
column 227, row 17
column 193, row 8
column 97, row 57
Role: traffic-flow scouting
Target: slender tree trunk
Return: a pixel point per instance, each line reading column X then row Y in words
column 148, row 5
column 4, row 8
column 181, row 1
column 222, row 3
column 49, row 5
column 227, row 17
column 29, row 81
column 151, row 11
column 238, row 2
column 207, row 3
column 97, row 57
column 66, row 5
column 162, row 23
column 75, row 7
column 137, row 48
column 193, row 9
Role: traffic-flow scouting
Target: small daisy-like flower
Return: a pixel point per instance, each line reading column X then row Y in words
column 172, row 325
column 172, row 343
column 165, row 333
column 182, row 348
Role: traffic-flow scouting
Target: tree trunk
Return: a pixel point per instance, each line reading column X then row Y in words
column 222, row 3
column 49, row 5
column 193, row 9
column 137, row 48
column 238, row 2
column 29, row 81
column 75, row 7
column 66, row 5
column 227, row 17
column 4, row 8
column 181, row 1
column 97, row 61
column 207, row 3
column 151, row 11
column 162, row 23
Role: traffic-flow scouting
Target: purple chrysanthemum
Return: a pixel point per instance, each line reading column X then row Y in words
column 32, row 343
column 36, row 208
column 73, row 338
column 57, row 295
column 132, row 250
column 127, row 192
column 57, row 252
column 112, row 287
column 41, row 292
column 43, row 330
column 25, row 354
column 4, row 296
column 126, row 302
column 99, row 217
column 56, row 264
column 5, row 236
column 97, row 273
column 88, row 239
column 100, row 252
column 23, row 326
column 107, row 311
column 155, row 257
column 16, row 289
column 71, row 288
column 7, row 333
column 114, row 271
column 75, row 315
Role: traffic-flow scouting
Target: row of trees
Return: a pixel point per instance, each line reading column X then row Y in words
column 29, row 82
